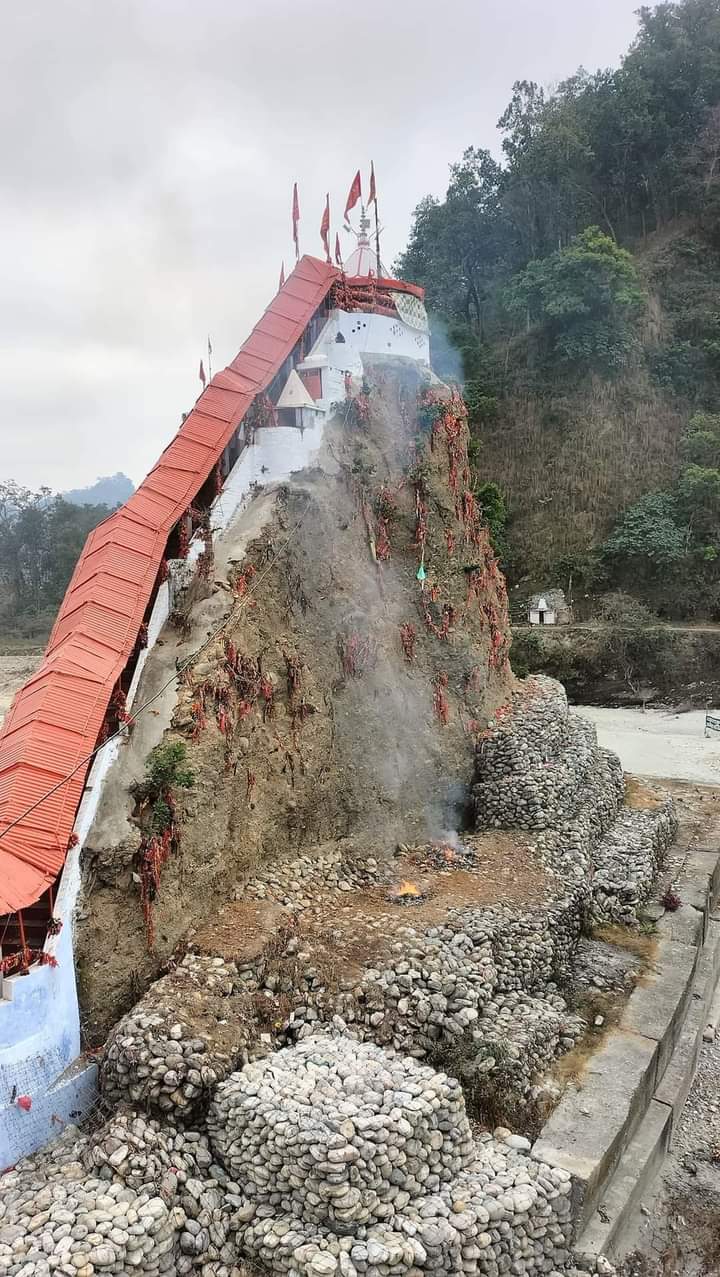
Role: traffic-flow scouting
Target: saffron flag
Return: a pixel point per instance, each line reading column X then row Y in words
column 282, row 276
column 372, row 198
column 201, row 373
column 325, row 228
column 296, row 220
column 354, row 194
column 338, row 254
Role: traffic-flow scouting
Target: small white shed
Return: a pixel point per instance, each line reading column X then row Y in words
column 549, row 608
column 541, row 613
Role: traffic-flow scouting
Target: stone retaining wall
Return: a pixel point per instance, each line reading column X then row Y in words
column 330, row 1158
column 541, row 769
column 329, row 1152
column 483, row 988
column 354, row 1161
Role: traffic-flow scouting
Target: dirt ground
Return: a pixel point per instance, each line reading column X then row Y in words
column 350, row 930
column 16, row 665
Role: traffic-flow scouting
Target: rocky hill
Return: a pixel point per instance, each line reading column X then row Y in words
column 338, row 708
column 336, row 927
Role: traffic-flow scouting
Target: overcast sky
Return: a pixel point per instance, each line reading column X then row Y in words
column 148, row 153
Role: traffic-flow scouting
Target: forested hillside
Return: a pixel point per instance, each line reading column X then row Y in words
column 578, row 280
column 41, row 537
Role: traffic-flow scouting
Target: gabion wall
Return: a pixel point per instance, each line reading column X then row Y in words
column 445, row 991
column 347, row 1153
column 157, row 1060
column 354, row 1161
column 541, row 769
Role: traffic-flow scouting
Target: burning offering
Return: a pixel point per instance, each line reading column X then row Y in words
column 406, row 892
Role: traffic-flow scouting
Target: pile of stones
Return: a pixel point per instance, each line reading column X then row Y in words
column 540, row 769
column 531, row 947
column 428, row 997
column 439, row 992
column 192, row 1028
column 345, row 1130
column 137, row 1151
column 514, row 1042
column 331, row 867
column 54, row 1218
column 137, row 1196
column 432, row 987
column 447, row 993
column 531, row 765
column 627, row 862
column 333, row 1157
column 354, row 1162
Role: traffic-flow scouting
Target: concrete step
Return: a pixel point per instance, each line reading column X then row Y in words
column 610, row 1223
column 596, row 1118
column 612, row 1128
column 625, row 1191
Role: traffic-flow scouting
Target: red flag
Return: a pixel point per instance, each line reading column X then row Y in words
column 201, row 373
column 338, row 254
column 354, row 194
column 295, row 220
column 373, row 193
column 282, row 276
column 325, row 228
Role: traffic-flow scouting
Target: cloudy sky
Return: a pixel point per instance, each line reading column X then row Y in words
column 148, row 153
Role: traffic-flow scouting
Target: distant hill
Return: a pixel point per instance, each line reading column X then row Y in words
column 111, row 490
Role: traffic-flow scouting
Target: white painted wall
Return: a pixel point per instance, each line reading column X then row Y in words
column 277, row 452
column 364, row 335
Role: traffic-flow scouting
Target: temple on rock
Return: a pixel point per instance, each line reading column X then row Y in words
column 256, row 422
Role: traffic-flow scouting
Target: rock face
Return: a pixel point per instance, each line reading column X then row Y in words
column 354, row 1161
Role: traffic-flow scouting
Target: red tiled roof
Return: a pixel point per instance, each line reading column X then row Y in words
column 55, row 719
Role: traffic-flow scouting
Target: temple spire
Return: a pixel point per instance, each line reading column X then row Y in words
column 363, row 260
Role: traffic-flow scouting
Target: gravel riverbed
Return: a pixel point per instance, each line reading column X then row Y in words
column 659, row 743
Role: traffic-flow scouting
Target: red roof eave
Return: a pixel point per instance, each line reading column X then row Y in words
column 125, row 551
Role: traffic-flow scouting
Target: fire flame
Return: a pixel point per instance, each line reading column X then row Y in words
column 407, row 888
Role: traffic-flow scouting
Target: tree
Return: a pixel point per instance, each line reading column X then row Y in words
column 648, row 541
column 700, row 445
column 698, row 503
column 23, row 545
column 580, row 301
column 455, row 247
column 494, row 512
column 41, row 537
